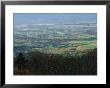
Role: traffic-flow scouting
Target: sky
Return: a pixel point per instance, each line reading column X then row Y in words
column 33, row 18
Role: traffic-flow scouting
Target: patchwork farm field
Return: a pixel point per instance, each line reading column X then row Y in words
column 55, row 38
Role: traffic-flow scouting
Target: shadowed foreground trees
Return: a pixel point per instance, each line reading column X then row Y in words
column 38, row 63
column 20, row 64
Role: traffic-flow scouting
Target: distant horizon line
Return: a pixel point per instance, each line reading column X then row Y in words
column 49, row 23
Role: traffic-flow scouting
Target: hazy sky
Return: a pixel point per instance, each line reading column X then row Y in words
column 32, row 18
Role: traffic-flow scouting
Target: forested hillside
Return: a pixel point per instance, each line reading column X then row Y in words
column 39, row 63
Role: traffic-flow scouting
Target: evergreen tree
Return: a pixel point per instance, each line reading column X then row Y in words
column 20, row 61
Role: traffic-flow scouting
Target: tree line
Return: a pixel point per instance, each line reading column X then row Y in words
column 39, row 63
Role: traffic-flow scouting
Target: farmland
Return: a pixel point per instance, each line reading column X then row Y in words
column 55, row 38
